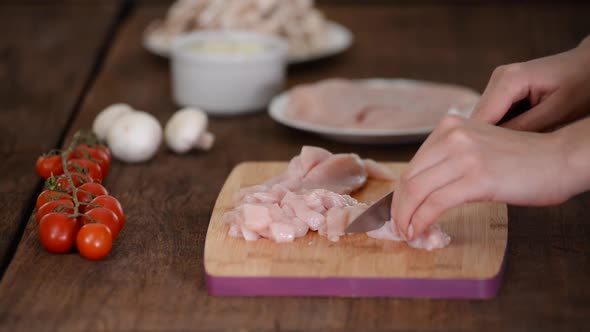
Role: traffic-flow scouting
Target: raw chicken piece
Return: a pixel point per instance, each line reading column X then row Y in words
column 313, row 219
column 311, row 156
column 336, row 222
column 386, row 232
column 338, row 219
column 312, row 194
column 316, row 168
column 247, row 193
column 256, row 217
column 249, row 235
column 287, row 216
column 340, row 173
column 432, row 238
column 378, row 171
column 235, row 230
column 340, row 103
column 281, row 232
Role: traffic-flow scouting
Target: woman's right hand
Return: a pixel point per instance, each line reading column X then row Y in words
column 556, row 86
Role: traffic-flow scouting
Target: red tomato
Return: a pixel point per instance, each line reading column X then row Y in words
column 103, row 216
column 105, row 150
column 87, row 167
column 46, row 166
column 88, row 191
column 61, row 205
column 57, row 232
column 79, row 179
column 110, row 203
column 50, row 195
column 96, row 155
column 94, row 241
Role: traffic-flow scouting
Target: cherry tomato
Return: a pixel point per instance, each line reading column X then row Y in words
column 99, row 156
column 87, row 167
column 46, row 166
column 88, row 191
column 61, row 205
column 106, row 150
column 50, row 195
column 57, row 232
column 94, row 241
column 103, row 216
column 110, row 203
column 79, row 179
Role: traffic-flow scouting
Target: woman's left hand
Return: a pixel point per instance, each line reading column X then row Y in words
column 466, row 160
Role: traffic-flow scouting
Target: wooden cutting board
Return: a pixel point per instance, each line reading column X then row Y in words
column 471, row 267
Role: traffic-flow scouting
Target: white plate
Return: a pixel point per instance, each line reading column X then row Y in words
column 278, row 106
column 339, row 39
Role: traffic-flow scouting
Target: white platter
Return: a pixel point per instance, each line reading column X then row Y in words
column 278, row 106
column 339, row 40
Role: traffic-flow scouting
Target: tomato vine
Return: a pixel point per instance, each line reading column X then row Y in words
column 82, row 166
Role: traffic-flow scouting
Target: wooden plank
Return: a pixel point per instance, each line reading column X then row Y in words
column 46, row 54
column 154, row 278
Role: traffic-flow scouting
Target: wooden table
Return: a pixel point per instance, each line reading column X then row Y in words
column 62, row 63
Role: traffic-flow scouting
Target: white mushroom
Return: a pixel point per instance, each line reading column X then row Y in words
column 187, row 129
column 106, row 119
column 135, row 137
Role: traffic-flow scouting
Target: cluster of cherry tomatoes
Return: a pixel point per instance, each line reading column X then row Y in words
column 75, row 209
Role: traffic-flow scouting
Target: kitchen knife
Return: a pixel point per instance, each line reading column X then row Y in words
column 374, row 217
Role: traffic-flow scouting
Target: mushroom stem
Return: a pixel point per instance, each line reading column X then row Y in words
column 205, row 142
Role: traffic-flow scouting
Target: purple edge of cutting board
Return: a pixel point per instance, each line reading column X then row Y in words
column 357, row 287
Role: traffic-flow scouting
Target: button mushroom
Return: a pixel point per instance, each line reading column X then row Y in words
column 187, row 129
column 106, row 118
column 135, row 137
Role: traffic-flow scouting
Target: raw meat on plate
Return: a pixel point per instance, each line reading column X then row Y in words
column 389, row 105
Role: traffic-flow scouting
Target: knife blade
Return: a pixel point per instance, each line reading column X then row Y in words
column 374, row 217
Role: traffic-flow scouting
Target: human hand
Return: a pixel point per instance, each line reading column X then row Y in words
column 466, row 160
column 556, row 87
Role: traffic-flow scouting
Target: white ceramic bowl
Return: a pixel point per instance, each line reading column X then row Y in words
column 227, row 83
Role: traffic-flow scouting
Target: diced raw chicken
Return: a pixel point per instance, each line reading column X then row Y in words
column 287, row 216
column 336, row 221
column 313, row 219
column 256, row 217
column 247, row 193
column 281, row 232
column 235, row 230
column 266, row 197
column 341, row 103
column 249, row 235
column 386, row 232
column 312, row 194
column 432, row 238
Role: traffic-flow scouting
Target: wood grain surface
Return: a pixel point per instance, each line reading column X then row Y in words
column 44, row 65
column 154, row 278
column 478, row 232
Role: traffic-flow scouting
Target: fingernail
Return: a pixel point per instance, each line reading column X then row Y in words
column 410, row 232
